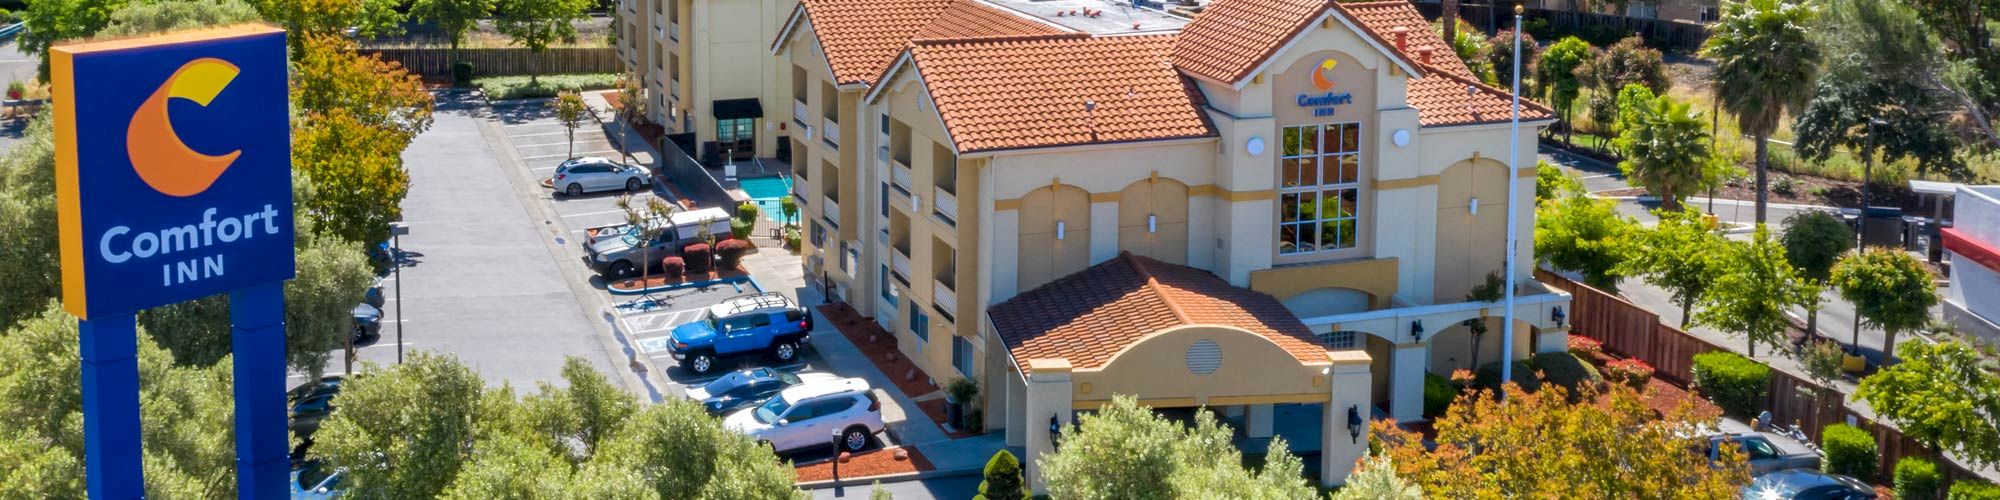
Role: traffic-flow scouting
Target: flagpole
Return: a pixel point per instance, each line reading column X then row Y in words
column 1513, row 193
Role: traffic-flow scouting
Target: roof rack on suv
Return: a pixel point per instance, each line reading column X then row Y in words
column 758, row 301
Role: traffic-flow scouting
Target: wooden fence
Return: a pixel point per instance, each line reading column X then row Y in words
column 1628, row 330
column 436, row 62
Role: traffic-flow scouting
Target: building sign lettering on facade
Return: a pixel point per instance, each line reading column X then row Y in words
column 1323, row 103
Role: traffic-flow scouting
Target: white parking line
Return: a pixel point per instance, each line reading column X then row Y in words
column 587, row 214
column 579, row 140
column 585, row 153
column 578, row 133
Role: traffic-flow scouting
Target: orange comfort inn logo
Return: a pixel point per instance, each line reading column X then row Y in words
column 157, row 153
column 1323, row 75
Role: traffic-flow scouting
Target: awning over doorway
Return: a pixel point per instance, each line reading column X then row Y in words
column 731, row 109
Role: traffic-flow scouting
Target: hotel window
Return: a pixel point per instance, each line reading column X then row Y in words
column 920, row 324
column 961, row 355
column 818, row 235
column 888, row 289
column 1319, row 188
column 1339, row 341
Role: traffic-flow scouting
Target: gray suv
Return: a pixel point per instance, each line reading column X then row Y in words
column 577, row 176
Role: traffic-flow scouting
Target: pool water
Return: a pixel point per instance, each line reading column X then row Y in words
column 767, row 193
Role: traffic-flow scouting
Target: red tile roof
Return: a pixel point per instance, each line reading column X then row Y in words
column 1024, row 92
column 1441, row 95
column 862, row 37
column 1230, row 38
column 1092, row 315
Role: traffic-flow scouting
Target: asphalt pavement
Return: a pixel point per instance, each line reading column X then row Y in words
column 479, row 280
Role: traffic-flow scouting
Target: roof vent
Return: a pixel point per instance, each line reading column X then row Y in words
column 1402, row 37
column 1204, row 357
column 1424, row 54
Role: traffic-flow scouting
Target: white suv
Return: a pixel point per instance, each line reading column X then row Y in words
column 808, row 415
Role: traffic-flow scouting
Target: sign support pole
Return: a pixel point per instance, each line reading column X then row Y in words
column 110, row 346
column 257, row 339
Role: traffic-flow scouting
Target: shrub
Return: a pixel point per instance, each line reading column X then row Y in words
column 1972, row 489
column 1438, row 394
column 1784, row 187
column 792, row 238
column 461, row 73
column 1917, row 479
column 1003, row 479
column 697, row 257
column 1568, row 371
column 962, row 389
column 741, row 229
column 1733, row 382
column 747, row 211
column 1632, row 372
column 732, row 251
column 1849, row 452
column 1524, row 375
column 673, row 267
column 1585, row 347
column 500, row 88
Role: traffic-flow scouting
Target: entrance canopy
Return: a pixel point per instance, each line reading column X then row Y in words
column 731, row 109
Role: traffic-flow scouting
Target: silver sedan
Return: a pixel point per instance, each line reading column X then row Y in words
column 577, row 176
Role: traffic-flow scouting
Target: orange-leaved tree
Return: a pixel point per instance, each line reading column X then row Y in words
column 1538, row 445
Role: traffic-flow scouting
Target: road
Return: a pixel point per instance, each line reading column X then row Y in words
column 15, row 66
column 946, row 488
column 480, row 282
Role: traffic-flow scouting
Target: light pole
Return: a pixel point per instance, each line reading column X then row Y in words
column 1867, row 170
column 1513, row 189
column 396, row 232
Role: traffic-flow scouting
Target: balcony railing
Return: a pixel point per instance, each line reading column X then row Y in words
column 945, row 204
column 944, row 298
column 830, row 210
column 799, row 113
column 674, row 31
column 799, row 190
column 831, row 131
column 899, row 176
column 899, row 265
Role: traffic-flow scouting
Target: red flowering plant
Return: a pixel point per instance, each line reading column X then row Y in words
column 1585, row 347
column 1632, row 372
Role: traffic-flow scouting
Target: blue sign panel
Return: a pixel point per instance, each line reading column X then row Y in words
column 173, row 168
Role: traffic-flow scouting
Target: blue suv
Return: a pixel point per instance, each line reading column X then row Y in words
column 762, row 324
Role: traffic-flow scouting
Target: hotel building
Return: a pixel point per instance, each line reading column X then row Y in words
column 1277, row 205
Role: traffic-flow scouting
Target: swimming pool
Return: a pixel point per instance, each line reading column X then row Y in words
column 767, row 193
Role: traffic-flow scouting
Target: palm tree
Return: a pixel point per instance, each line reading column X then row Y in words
column 1666, row 151
column 1765, row 63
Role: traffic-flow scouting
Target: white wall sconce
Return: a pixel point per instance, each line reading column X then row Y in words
column 1475, row 206
column 1254, row 146
column 1059, row 230
column 1152, row 223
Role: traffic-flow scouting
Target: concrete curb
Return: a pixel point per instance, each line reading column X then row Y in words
column 887, row 478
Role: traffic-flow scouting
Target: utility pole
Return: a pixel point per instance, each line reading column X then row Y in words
column 1513, row 195
column 396, row 232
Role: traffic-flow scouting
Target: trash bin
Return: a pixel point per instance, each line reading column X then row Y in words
column 1882, row 226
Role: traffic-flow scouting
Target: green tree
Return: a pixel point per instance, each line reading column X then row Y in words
column 1003, row 479
column 536, row 24
column 1127, row 451
column 28, row 204
column 1625, row 63
column 876, row 492
column 505, row 466
column 1556, row 79
column 1551, row 183
column 678, row 451
column 570, row 110
column 453, row 17
column 1940, row 395
column 1881, row 64
column 1500, row 56
column 1471, row 48
column 1890, row 290
column 1586, row 235
column 190, row 445
column 1667, row 150
column 358, row 171
column 587, row 411
column 1375, row 479
column 1541, row 445
column 141, row 18
column 404, row 432
column 1813, row 242
column 1682, row 256
column 1764, row 64
column 1633, row 100
column 1755, row 286
column 52, row 21
column 631, row 109
column 332, row 18
column 330, row 76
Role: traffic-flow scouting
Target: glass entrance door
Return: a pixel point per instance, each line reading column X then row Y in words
column 737, row 138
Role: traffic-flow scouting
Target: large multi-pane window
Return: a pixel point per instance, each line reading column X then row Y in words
column 1319, row 188
column 920, row 324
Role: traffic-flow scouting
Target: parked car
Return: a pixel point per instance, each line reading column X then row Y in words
column 807, row 416
column 1806, row 484
column 1763, row 453
column 310, row 481
column 742, row 388
column 367, row 322
column 751, row 325
column 308, row 412
column 577, row 176
column 614, row 250
column 326, row 385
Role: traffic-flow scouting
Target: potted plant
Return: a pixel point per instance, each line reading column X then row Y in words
column 15, row 89
column 957, row 396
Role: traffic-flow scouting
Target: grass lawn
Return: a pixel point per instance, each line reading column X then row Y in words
column 500, row 88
